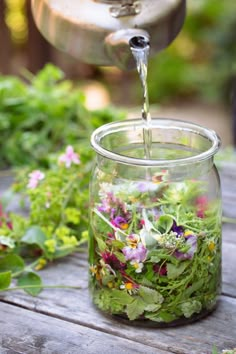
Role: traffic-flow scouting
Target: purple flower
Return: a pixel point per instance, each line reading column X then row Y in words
column 178, row 229
column 120, row 222
column 146, row 187
column 137, row 254
column 191, row 241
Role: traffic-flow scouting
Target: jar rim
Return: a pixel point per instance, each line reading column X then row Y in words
column 162, row 123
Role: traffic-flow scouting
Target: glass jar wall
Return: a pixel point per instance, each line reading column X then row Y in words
column 155, row 224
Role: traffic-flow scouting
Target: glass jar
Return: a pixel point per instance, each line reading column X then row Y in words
column 155, row 224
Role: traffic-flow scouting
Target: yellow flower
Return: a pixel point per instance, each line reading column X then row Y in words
column 41, row 264
column 211, row 246
column 124, row 226
column 51, row 245
column 95, row 272
column 127, row 286
column 72, row 215
column 187, row 233
column 93, row 269
column 62, row 231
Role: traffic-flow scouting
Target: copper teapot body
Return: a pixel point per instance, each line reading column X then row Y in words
column 98, row 31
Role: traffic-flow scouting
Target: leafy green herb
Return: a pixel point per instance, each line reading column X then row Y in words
column 156, row 257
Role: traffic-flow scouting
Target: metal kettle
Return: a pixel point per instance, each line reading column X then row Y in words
column 98, row 31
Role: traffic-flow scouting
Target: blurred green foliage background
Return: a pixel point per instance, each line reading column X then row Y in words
column 200, row 62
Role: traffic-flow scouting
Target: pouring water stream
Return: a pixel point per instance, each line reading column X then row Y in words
column 140, row 49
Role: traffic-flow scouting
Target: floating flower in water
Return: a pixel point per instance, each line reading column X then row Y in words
column 146, row 187
column 161, row 270
column 111, row 259
column 178, row 229
column 133, row 240
column 34, row 178
column 129, row 286
column 191, row 242
column 202, row 205
column 160, row 177
column 137, row 254
column 211, row 246
column 137, row 265
column 120, row 222
column 95, row 270
column 69, row 157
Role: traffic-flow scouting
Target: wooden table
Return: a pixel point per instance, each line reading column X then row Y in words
column 64, row 321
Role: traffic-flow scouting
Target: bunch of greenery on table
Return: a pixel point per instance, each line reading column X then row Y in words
column 42, row 115
column 45, row 129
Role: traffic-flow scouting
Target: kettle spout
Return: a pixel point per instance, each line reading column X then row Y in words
column 118, row 47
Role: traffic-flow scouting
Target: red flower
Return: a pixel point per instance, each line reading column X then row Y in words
column 112, row 260
column 161, row 270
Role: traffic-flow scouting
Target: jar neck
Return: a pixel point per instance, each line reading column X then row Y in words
column 175, row 144
column 176, row 173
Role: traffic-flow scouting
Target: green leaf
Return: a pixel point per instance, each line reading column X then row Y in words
column 150, row 296
column 161, row 316
column 152, row 307
column 101, row 244
column 118, row 244
column 194, row 287
column 12, row 263
column 5, row 280
column 165, row 223
column 35, row 236
column 154, row 256
column 7, row 241
column 174, row 271
column 190, row 307
column 28, row 279
column 135, row 308
column 121, row 296
column 120, row 257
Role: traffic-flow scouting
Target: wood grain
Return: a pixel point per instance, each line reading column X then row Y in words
column 75, row 306
column 26, row 332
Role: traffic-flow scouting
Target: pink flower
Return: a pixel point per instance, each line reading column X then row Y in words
column 34, row 178
column 69, row 157
column 202, row 205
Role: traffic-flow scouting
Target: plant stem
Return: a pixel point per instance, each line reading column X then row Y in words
column 227, row 220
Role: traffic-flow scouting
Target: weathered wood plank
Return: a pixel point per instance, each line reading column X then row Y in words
column 75, row 306
column 229, row 233
column 229, row 269
column 24, row 331
column 228, row 178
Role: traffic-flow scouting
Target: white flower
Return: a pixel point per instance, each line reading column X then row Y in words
column 137, row 265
